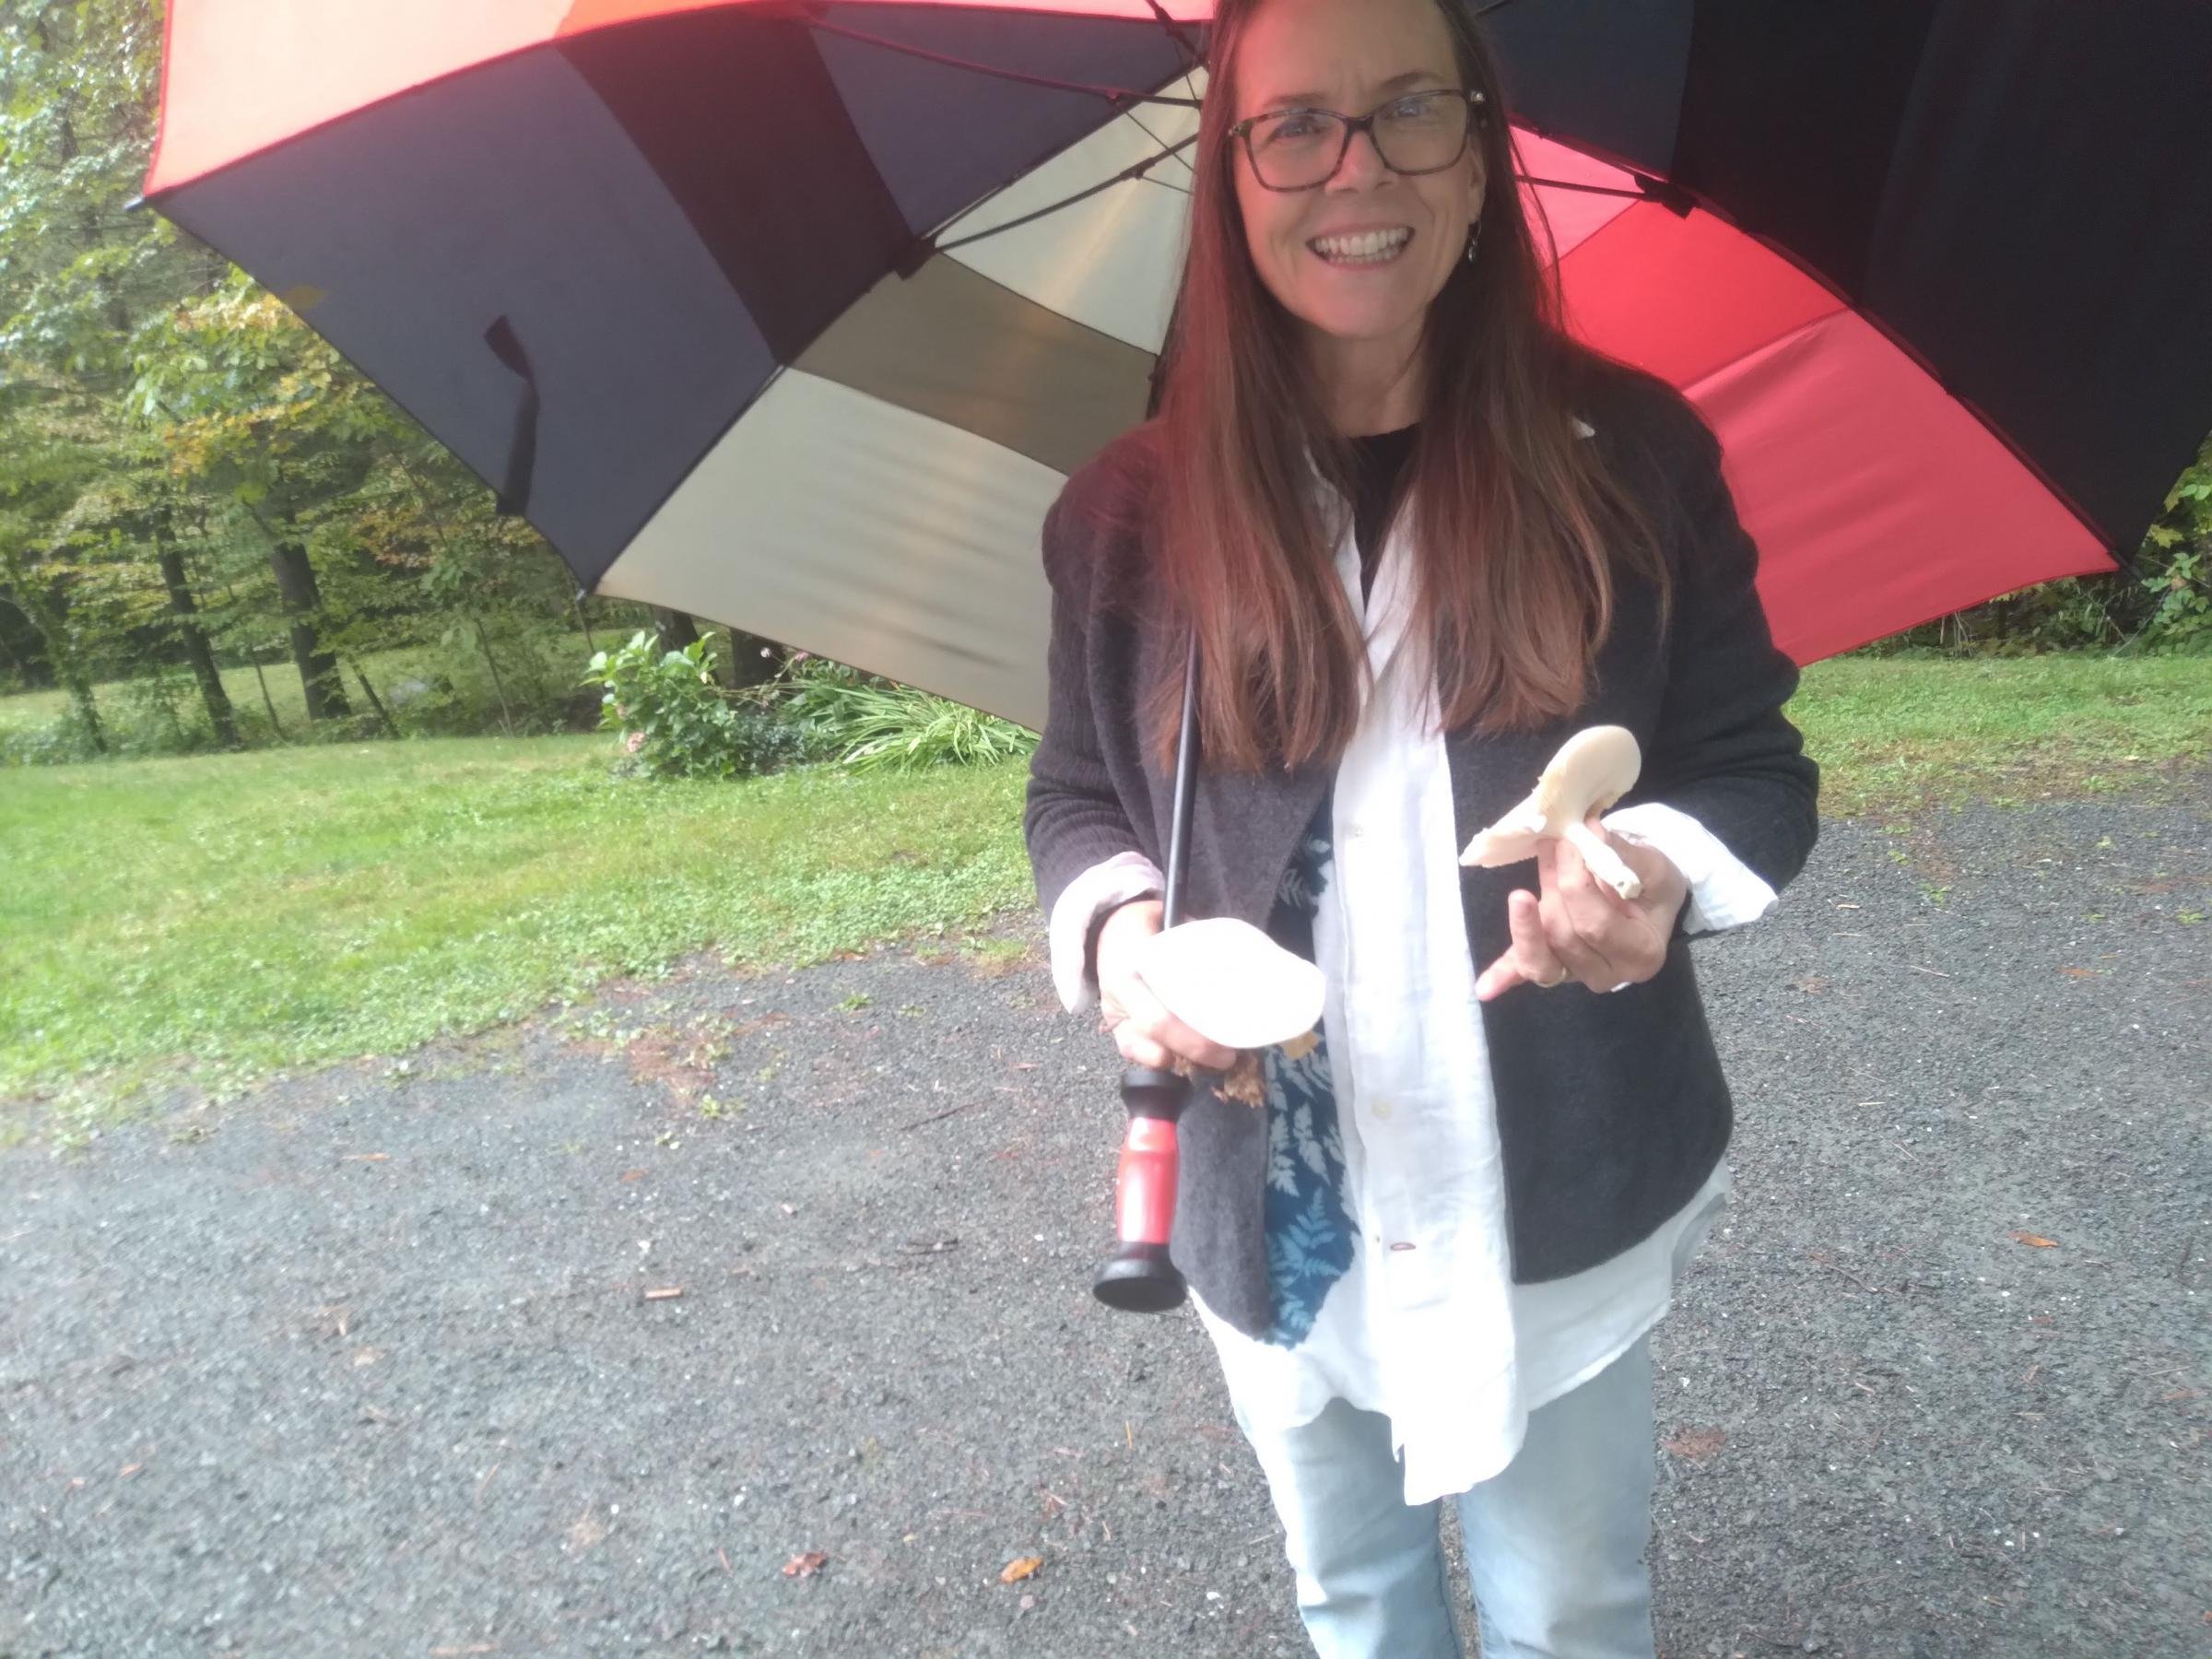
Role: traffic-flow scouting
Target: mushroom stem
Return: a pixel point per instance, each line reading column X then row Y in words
column 1605, row 863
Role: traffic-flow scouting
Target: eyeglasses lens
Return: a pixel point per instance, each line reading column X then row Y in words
column 1301, row 148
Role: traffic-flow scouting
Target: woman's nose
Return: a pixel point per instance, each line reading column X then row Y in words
column 1362, row 164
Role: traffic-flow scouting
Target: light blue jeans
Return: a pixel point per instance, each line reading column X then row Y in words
column 1555, row 1541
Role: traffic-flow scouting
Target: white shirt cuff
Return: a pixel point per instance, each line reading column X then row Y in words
column 1725, row 892
column 1102, row 888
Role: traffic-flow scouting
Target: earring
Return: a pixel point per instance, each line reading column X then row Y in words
column 1473, row 241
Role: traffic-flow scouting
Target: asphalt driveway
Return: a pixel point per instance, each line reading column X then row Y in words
column 586, row 1335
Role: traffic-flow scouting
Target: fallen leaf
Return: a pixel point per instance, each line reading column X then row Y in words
column 2040, row 1244
column 1696, row 1444
column 1811, row 986
column 634, row 1175
column 1022, row 1568
column 2164, row 1399
column 664, row 1292
column 2080, row 972
column 128, row 1469
column 586, row 1531
column 805, row 1566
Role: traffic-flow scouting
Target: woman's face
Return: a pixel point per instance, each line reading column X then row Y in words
column 1365, row 299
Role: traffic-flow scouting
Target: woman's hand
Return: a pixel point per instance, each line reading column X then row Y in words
column 1143, row 1028
column 1581, row 929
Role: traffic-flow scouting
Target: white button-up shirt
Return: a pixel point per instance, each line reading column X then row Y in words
column 1426, row 1326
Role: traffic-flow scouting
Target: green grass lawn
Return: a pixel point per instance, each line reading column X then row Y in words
column 301, row 904
column 1894, row 734
column 246, row 912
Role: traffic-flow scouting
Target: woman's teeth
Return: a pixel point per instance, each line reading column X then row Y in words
column 1370, row 247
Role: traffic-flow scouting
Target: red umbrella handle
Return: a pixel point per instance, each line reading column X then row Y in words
column 1138, row 1278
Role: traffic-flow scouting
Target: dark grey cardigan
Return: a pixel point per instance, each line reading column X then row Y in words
column 1612, row 1110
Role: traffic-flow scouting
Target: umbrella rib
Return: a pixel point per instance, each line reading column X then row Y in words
column 1611, row 190
column 1127, row 173
column 1192, row 57
column 1114, row 95
column 1130, row 115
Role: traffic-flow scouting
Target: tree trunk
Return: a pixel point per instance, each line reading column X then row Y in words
column 752, row 659
column 318, row 682
column 375, row 702
column 43, row 611
column 181, row 607
column 677, row 630
column 498, row 685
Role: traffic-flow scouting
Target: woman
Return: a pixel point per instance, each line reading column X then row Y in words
column 1420, row 539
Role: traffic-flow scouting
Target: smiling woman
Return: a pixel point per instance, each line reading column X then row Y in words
column 1351, row 270
column 1414, row 539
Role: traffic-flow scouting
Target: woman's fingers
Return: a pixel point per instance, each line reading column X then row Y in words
column 1148, row 1034
column 1578, row 924
column 1531, row 961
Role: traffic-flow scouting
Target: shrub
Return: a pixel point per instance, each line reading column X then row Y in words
column 865, row 721
column 675, row 721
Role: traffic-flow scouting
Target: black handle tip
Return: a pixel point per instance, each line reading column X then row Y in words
column 1139, row 1278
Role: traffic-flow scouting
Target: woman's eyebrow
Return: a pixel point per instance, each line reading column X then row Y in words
column 1396, row 83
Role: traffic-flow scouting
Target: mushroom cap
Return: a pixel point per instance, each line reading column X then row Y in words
column 1230, row 983
column 1593, row 769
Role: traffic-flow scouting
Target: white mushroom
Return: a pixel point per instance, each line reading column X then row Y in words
column 1593, row 769
column 1230, row 983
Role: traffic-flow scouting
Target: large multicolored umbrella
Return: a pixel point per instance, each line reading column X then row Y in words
column 795, row 316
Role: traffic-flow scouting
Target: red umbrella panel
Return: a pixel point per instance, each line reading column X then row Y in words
column 797, row 318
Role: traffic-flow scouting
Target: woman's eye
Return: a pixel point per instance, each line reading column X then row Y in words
column 1296, row 127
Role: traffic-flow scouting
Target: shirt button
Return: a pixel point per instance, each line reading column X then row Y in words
column 1380, row 1109
column 1402, row 1244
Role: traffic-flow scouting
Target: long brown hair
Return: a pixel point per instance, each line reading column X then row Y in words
column 1516, row 524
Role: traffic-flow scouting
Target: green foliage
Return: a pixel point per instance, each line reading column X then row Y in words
column 675, row 721
column 429, row 689
column 77, row 114
column 867, row 723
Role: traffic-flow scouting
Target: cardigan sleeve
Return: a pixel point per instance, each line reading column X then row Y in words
column 1073, row 820
column 1723, row 750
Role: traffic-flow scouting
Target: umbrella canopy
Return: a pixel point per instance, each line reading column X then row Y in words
column 796, row 318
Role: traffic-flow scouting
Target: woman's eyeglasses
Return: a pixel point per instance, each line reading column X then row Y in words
column 1302, row 150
